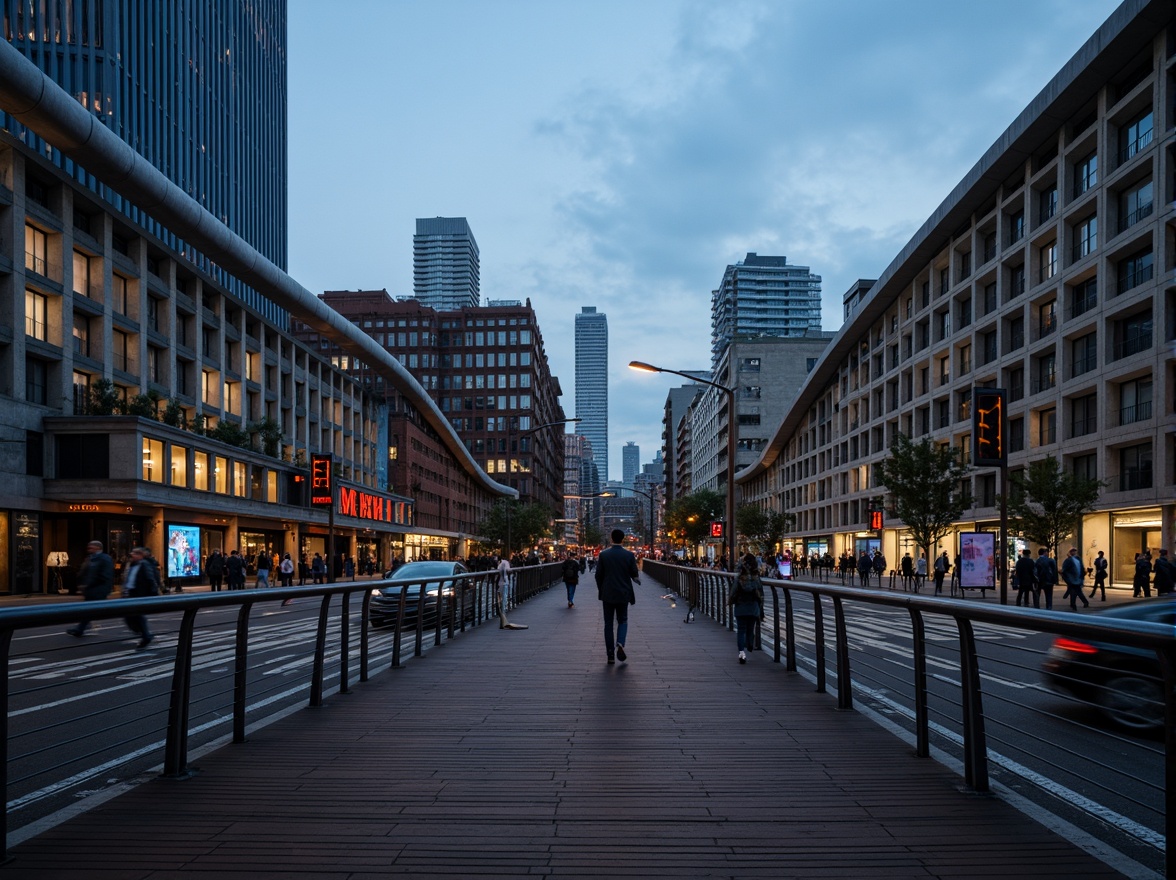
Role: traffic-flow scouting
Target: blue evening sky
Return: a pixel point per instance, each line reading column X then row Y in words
column 622, row 154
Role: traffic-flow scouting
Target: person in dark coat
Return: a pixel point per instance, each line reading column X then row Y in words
column 1100, row 567
column 747, row 604
column 616, row 571
column 215, row 569
column 141, row 579
column 1025, row 575
column 1165, row 569
column 235, row 571
column 1046, row 570
column 571, row 577
column 96, row 579
column 1075, row 577
column 864, row 567
column 1141, row 584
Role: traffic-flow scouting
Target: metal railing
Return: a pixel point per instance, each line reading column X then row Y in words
column 707, row 592
column 218, row 684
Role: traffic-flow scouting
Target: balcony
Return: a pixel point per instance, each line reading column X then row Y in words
column 1138, row 412
column 1130, row 280
column 1140, row 213
column 1133, row 345
column 1135, row 147
column 1042, row 383
column 1134, row 478
column 1082, row 427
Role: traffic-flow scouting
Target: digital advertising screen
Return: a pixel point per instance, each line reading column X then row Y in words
column 977, row 559
column 183, row 551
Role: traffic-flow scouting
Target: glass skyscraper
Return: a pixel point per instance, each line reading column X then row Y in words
column 196, row 87
column 445, row 273
column 592, row 384
column 630, row 463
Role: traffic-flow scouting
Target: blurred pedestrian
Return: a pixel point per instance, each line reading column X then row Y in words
column 141, row 579
column 96, row 578
column 1046, row 571
column 942, row 567
column 1025, row 575
column 215, row 569
column 286, row 570
column 1141, row 584
column 1100, row 575
column 571, row 577
column 1165, row 571
column 235, row 571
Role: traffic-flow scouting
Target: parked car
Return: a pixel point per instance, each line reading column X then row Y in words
column 1125, row 684
column 435, row 577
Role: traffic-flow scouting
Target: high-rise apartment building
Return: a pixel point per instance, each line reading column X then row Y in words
column 445, row 264
column 196, row 87
column 763, row 296
column 592, row 383
column 630, row 463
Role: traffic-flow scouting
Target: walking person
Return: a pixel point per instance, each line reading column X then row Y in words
column 1075, row 577
column 1141, row 584
column 616, row 571
column 1100, row 575
column 864, row 567
column 747, row 602
column 286, row 570
column 879, row 566
column 142, row 579
column 571, row 577
column 1025, row 575
column 349, row 568
column 505, row 577
column 235, row 571
column 318, row 569
column 942, row 567
column 1165, row 570
column 920, row 571
column 96, row 579
column 1046, row 570
column 215, row 569
column 264, row 564
column 907, row 567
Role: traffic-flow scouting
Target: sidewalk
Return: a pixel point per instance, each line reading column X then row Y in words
column 520, row 753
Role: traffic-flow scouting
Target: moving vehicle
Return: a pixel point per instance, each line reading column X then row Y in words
column 1125, row 684
column 433, row 578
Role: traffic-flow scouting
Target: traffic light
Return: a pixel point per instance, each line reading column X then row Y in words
column 716, row 529
column 988, row 427
column 876, row 520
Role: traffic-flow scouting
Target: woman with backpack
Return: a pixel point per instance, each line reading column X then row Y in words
column 747, row 601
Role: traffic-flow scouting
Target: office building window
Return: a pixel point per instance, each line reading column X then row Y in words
column 1085, row 174
column 1047, row 427
column 81, row 334
column 1135, row 401
column 1135, row 136
column 119, row 299
column 1135, row 270
column 1085, row 238
column 1047, row 204
column 1133, row 334
column 1083, row 415
column 179, row 466
column 81, row 274
column 1083, row 297
column 153, row 463
column 1049, row 260
column 36, row 314
column 36, row 250
column 1084, row 354
column 1135, row 204
column 1135, row 467
column 1085, row 467
column 36, row 381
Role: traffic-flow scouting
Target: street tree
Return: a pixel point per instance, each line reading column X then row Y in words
column 763, row 528
column 691, row 515
column 1048, row 503
column 923, row 480
column 511, row 526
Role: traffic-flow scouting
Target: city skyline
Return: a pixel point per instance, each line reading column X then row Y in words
column 650, row 155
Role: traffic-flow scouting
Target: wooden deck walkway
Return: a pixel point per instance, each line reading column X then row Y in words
column 520, row 753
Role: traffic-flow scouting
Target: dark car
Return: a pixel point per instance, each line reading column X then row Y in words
column 435, row 577
column 1125, row 684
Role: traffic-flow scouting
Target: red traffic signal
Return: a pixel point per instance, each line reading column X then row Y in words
column 716, row 530
column 876, row 520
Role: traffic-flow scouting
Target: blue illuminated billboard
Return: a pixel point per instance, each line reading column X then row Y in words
column 183, row 551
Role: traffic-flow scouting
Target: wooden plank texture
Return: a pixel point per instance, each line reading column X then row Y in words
column 521, row 753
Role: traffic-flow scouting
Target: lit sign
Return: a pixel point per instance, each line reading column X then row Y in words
column 85, row 508
column 716, row 530
column 320, row 480
column 988, row 427
column 876, row 520
column 369, row 506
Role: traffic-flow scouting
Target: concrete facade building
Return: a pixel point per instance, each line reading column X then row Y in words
column 1048, row 272
column 763, row 296
column 630, row 463
column 592, row 383
column 155, row 94
column 445, row 267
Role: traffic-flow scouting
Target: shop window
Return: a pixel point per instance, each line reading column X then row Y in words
column 240, row 486
column 179, row 466
column 200, row 471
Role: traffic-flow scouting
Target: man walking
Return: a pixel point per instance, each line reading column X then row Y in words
column 96, row 579
column 1025, row 574
column 1165, row 570
column 1074, row 576
column 571, row 577
column 1100, row 576
column 616, row 570
column 1046, row 570
column 142, row 579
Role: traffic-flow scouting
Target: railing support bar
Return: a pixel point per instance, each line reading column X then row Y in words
column 975, row 744
column 919, row 649
column 844, row 680
column 241, row 672
column 175, row 755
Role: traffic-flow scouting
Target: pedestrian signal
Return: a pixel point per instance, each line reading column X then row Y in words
column 988, row 427
column 716, row 530
column 876, row 520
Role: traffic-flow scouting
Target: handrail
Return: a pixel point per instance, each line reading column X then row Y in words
column 708, row 589
column 529, row 581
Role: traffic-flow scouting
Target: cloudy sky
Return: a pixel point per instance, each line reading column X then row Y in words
column 622, row 154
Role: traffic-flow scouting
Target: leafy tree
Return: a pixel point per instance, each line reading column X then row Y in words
column 173, row 414
column 144, row 405
column 593, row 536
column 103, row 398
column 923, row 481
column 269, row 432
column 1049, row 503
column 511, row 526
column 763, row 528
column 230, row 433
column 690, row 516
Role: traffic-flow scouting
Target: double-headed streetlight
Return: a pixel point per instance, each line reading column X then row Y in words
column 732, row 435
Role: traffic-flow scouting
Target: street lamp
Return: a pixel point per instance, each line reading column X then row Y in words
column 732, row 435
column 510, row 436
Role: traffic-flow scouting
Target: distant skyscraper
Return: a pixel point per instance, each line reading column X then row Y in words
column 630, row 463
column 763, row 296
column 445, row 264
column 592, row 384
column 196, row 87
